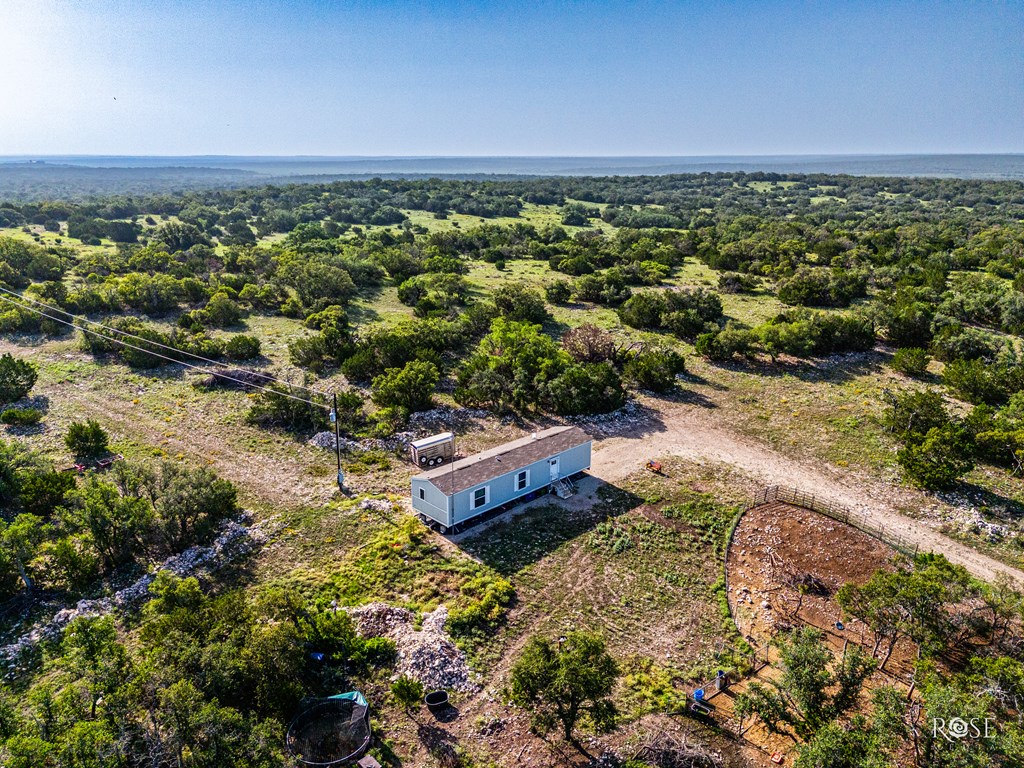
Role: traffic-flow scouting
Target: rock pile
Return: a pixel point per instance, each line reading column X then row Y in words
column 632, row 414
column 377, row 505
column 234, row 541
column 397, row 442
column 427, row 654
column 444, row 419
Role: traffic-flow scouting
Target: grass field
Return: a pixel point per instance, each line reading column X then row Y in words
column 640, row 560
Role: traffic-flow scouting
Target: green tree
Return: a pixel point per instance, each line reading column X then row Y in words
column 644, row 310
column 813, row 690
column 42, row 492
column 510, row 367
column 242, row 347
column 912, row 361
column 221, row 311
column 179, row 236
column 566, row 682
column 911, row 415
column 190, row 503
column 19, row 540
column 866, row 742
column 585, row 388
column 92, row 650
column 939, row 460
column 17, row 377
column 558, row 292
column 86, row 440
column 117, row 525
column 411, row 387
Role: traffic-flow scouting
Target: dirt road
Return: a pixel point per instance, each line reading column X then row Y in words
column 692, row 434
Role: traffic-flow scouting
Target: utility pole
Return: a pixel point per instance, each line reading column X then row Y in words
column 337, row 442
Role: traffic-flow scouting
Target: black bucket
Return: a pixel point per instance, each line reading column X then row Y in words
column 436, row 700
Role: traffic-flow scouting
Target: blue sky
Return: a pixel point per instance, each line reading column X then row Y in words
column 501, row 78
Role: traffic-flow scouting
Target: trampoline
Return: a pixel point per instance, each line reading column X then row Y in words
column 331, row 732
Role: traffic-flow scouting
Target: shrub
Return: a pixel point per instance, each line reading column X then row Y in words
column 737, row 282
column 907, row 323
column 724, row 345
column 979, row 382
column 42, row 492
column 912, row 361
column 21, row 417
column 643, row 310
column 242, row 347
column 822, row 287
column 86, row 439
column 517, row 302
column 958, row 343
column 558, row 292
column 586, row 388
column 654, row 369
column 17, row 377
column 276, row 406
column 589, row 344
column 939, row 460
column 411, row 387
column 912, row 415
column 408, row 693
column 221, row 311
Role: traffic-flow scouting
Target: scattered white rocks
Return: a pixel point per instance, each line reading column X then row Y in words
column 445, row 419
column 971, row 521
column 427, row 654
column 236, row 540
column 377, row 505
column 632, row 414
column 397, row 442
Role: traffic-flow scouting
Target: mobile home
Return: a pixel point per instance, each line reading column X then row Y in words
column 450, row 495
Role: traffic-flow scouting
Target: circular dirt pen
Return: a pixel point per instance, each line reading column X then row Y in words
column 784, row 567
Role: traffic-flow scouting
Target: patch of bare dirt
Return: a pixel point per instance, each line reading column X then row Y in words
column 784, row 567
column 691, row 433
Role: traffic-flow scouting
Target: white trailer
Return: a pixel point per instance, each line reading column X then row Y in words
column 433, row 450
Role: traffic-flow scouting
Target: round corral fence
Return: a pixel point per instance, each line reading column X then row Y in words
column 331, row 732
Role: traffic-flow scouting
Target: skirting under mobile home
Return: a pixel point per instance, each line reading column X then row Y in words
column 451, row 495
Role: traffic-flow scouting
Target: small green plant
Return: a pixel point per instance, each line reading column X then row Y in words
column 21, row 417
column 368, row 461
column 86, row 439
column 408, row 693
column 611, row 537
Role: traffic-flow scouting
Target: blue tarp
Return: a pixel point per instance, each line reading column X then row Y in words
column 355, row 696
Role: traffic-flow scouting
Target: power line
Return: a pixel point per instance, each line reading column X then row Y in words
column 123, row 343
column 119, row 332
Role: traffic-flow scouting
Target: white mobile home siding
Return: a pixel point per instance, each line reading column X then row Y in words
column 434, row 504
column 501, row 489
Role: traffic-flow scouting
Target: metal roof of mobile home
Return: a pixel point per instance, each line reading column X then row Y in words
column 487, row 465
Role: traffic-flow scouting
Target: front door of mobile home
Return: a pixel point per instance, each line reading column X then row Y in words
column 554, row 468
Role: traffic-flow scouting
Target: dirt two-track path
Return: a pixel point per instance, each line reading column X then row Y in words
column 692, row 434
